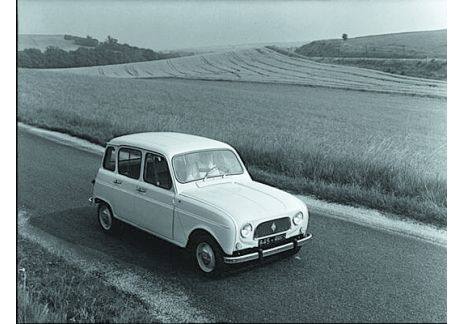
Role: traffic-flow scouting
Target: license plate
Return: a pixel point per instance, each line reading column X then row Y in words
column 271, row 240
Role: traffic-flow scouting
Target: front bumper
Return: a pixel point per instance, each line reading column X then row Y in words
column 262, row 253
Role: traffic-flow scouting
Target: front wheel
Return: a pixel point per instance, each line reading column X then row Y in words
column 208, row 256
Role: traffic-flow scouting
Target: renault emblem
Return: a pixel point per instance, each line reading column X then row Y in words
column 273, row 227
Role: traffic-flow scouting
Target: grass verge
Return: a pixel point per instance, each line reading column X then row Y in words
column 52, row 291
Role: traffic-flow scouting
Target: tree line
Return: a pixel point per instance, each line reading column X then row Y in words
column 94, row 53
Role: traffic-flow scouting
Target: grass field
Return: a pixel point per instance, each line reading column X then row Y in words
column 52, row 291
column 269, row 66
column 384, row 151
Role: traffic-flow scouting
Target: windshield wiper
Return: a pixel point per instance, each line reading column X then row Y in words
column 209, row 171
column 226, row 173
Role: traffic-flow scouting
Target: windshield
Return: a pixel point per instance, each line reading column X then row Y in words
column 199, row 165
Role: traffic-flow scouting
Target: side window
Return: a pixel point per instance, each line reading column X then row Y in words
column 129, row 162
column 109, row 162
column 157, row 171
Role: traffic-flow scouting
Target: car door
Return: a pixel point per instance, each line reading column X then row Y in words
column 104, row 187
column 154, row 203
column 125, row 184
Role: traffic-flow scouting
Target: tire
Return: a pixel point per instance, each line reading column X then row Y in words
column 207, row 255
column 108, row 223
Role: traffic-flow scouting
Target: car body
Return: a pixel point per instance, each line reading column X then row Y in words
column 196, row 192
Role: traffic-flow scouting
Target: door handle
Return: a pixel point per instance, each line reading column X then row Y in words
column 116, row 181
column 140, row 189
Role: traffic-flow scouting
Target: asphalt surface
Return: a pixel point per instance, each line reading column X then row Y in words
column 348, row 273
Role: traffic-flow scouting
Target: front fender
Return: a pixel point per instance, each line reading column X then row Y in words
column 193, row 215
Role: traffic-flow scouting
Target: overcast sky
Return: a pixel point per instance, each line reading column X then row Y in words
column 187, row 24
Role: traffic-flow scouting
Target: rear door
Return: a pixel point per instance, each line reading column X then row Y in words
column 155, row 195
column 104, row 187
column 125, row 183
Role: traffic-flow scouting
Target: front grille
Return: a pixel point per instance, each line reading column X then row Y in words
column 274, row 226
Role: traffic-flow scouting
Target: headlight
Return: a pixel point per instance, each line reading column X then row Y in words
column 246, row 230
column 298, row 218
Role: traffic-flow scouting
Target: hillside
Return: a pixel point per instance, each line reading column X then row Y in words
column 422, row 44
column 268, row 66
column 41, row 42
column 417, row 54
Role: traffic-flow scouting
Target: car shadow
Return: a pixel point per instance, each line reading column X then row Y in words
column 80, row 226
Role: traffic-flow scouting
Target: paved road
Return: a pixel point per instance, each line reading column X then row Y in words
column 347, row 273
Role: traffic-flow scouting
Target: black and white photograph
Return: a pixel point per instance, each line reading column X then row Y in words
column 231, row 161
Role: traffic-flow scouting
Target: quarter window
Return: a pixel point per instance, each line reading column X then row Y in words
column 109, row 162
column 129, row 162
column 157, row 171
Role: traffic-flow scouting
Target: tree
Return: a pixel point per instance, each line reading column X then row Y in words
column 345, row 37
column 55, row 57
column 83, row 56
column 31, row 58
column 111, row 40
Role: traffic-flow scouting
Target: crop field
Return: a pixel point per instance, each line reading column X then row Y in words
column 269, row 66
column 385, row 151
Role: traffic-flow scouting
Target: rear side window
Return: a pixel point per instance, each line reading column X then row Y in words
column 157, row 171
column 109, row 162
column 129, row 162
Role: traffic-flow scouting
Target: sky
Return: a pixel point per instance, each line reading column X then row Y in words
column 202, row 23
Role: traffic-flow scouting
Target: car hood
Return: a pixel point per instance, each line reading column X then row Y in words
column 247, row 201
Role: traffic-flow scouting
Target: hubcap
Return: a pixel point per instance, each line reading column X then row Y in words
column 105, row 218
column 205, row 257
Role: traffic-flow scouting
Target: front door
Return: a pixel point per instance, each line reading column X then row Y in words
column 154, row 204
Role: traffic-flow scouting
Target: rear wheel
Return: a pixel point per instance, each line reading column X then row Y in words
column 207, row 256
column 106, row 220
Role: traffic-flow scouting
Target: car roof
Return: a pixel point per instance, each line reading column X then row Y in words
column 168, row 143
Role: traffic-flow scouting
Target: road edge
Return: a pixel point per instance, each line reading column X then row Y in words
column 167, row 302
column 362, row 216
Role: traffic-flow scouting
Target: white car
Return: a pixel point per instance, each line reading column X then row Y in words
column 196, row 193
